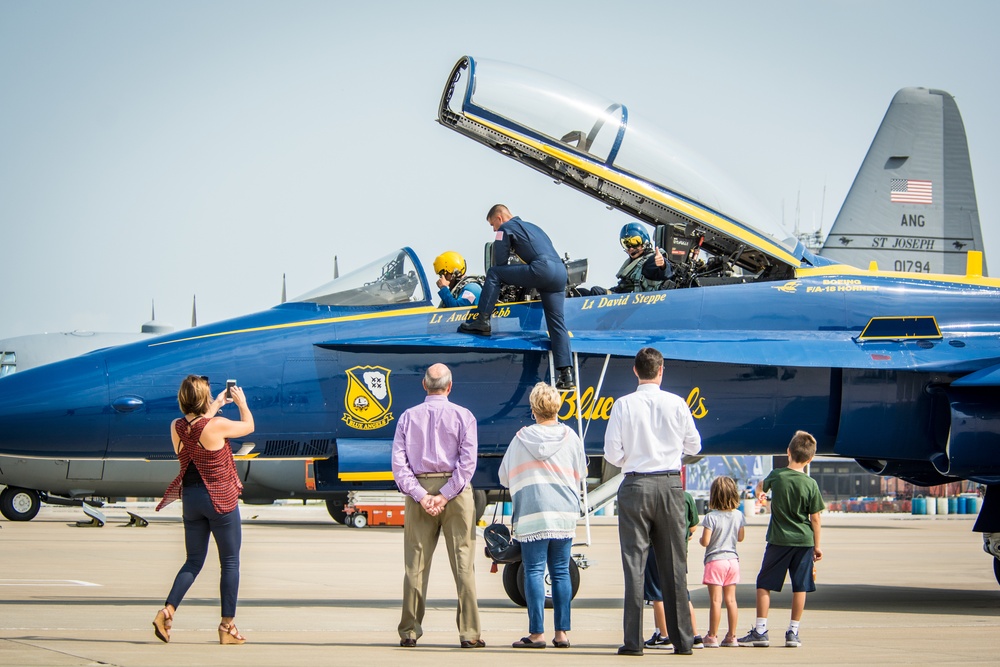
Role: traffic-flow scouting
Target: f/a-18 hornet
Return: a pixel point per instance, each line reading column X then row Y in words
column 896, row 370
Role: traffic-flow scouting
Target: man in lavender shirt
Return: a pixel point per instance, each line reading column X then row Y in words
column 433, row 459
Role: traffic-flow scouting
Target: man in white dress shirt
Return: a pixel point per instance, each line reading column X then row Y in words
column 648, row 433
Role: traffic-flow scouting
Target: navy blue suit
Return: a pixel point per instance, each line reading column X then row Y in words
column 542, row 270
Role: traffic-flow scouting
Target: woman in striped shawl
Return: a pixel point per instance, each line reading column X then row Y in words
column 543, row 467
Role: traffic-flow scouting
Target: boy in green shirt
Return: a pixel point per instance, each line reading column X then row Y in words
column 792, row 539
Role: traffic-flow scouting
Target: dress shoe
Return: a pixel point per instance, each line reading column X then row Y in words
column 477, row 643
column 476, row 327
column 565, row 381
column 409, row 642
column 629, row 651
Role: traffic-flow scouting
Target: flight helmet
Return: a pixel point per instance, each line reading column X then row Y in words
column 450, row 262
column 634, row 235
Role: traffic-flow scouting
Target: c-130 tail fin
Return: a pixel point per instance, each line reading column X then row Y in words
column 912, row 206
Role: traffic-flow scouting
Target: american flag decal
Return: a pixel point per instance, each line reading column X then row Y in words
column 909, row 191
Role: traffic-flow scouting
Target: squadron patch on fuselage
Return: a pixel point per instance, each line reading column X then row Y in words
column 368, row 398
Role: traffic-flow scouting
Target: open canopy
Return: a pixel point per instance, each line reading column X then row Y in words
column 602, row 148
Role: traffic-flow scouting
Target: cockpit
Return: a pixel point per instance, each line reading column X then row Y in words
column 393, row 279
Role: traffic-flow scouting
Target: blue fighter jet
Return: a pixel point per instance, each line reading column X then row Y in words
column 896, row 370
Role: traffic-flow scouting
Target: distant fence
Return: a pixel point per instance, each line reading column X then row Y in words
column 964, row 504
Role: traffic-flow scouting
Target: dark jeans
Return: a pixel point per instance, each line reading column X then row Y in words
column 549, row 278
column 200, row 521
column 534, row 556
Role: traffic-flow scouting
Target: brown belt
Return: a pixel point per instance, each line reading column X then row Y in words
column 426, row 475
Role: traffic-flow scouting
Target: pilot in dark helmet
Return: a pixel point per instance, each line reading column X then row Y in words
column 635, row 242
column 454, row 287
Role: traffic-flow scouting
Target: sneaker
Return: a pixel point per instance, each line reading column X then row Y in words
column 658, row 640
column 730, row 642
column 698, row 642
column 711, row 641
column 754, row 638
column 792, row 639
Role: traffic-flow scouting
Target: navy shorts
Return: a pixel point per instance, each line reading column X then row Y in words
column 796, row 561
column 651, row 581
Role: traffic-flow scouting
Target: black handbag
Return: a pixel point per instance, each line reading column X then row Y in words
column 500, row 546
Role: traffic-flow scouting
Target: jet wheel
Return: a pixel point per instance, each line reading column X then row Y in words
column 17, row 504
column 480, row 499
column 335, row 506
column 513, row 583
column 511, row 576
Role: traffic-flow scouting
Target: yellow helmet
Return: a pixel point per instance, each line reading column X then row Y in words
column 450, row 262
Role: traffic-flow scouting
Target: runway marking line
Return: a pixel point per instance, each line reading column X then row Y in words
column 45, row 582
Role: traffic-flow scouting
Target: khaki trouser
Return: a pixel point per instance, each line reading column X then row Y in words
column 457, row 522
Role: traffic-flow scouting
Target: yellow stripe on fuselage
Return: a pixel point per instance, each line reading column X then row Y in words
column 366, row 476
column 309, row 323
column 641, row 187
column 847, row 270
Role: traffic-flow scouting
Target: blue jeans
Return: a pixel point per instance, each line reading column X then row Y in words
column 534, row 556
column 200, row 521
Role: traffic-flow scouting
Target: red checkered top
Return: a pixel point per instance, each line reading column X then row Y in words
column 217, row 469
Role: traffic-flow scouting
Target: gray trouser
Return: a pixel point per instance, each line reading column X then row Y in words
column 652, row 514
column 420, row 537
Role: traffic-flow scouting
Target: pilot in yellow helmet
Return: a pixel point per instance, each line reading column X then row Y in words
column 454, row 292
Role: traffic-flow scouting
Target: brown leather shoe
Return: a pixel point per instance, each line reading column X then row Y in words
column 478, row 643
column 409, row 642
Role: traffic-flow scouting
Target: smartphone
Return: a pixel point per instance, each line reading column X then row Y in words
column 229, row 387
column 245, row 449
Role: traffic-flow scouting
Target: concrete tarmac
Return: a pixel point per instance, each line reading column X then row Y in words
column 892, row 590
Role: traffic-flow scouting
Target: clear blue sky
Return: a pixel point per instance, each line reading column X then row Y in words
column 159, row 150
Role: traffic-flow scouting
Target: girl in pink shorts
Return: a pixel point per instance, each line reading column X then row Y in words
column 722, row 528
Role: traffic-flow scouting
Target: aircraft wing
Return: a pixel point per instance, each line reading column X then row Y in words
column 987, row 377
column 837, row 349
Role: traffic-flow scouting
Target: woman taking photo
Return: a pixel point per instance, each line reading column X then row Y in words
column 543, row 468
column 211, row 489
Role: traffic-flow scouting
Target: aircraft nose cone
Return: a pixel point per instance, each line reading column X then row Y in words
column 59, row 410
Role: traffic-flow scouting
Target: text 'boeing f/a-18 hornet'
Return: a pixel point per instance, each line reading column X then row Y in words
column 897, row 370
